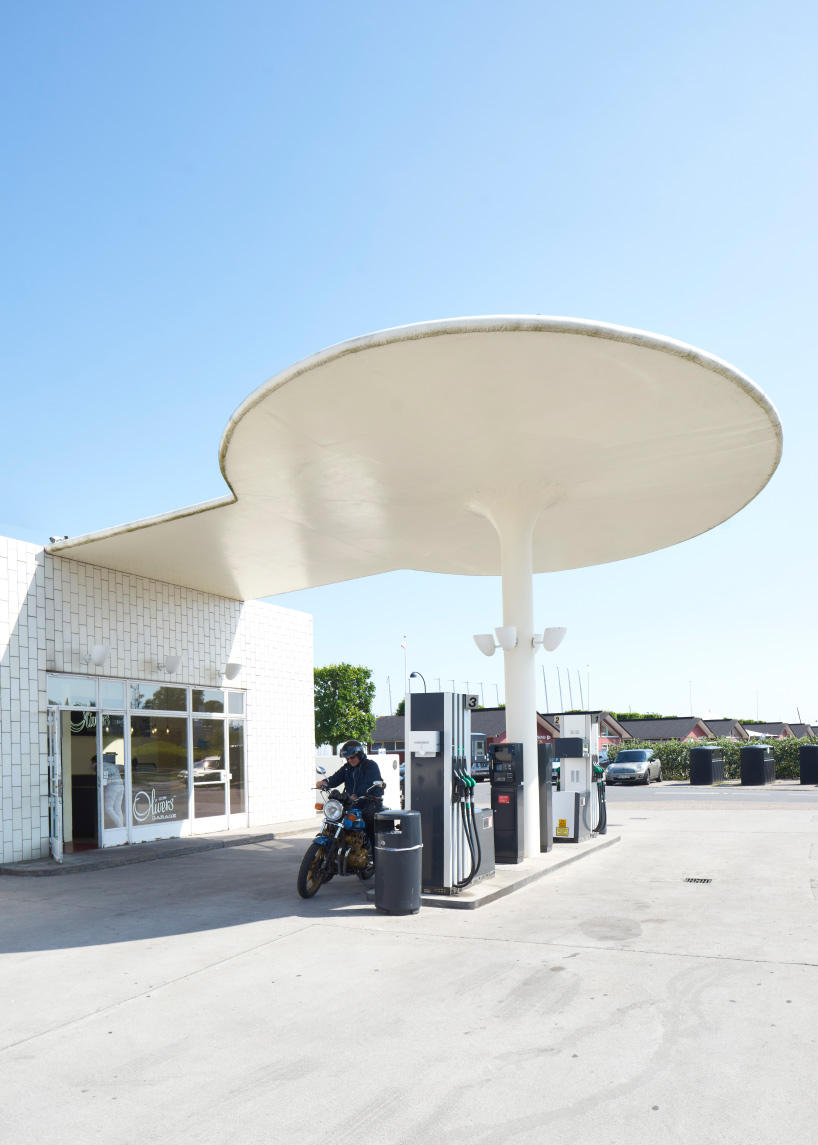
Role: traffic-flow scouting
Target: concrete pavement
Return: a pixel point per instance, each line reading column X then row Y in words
column 83, row 862
column 784, row 793
column 613, row 1002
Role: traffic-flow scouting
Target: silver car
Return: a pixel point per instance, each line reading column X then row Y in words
column 634, row 765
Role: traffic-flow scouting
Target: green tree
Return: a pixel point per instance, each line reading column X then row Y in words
column 343, row 703
column 400, row 710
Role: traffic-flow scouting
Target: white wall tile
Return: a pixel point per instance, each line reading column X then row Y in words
column 51, row 611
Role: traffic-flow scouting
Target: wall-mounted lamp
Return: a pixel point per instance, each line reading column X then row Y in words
column 98, row 654
column 172, row 664
column 231, row 671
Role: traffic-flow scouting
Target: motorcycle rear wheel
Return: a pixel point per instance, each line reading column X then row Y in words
column 310, row 876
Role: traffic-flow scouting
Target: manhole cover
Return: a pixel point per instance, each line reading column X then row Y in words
column 698, row 880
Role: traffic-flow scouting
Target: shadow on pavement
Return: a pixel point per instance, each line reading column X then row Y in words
column 205, row 891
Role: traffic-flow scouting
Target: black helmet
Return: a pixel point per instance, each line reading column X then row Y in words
column 352, row 747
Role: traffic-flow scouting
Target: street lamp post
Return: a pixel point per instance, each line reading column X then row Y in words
column 412, row 676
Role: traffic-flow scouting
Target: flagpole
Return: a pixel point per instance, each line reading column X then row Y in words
column 405, row 671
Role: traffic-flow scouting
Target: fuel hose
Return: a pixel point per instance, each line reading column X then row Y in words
column 464, row 785
column 473, row 784
column 602, row 822
column 602, row 826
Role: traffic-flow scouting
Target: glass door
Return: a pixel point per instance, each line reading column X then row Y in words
column 237, row 805
column 54, row 786
column 211, row 775
column 80, row 774
column 112, row 777
column 158, row 797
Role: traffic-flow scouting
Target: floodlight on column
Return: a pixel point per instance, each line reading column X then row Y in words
column 552, row 638
column 506, row 637
column 485, row 642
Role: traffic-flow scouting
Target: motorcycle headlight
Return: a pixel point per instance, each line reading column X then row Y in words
column 333, row 810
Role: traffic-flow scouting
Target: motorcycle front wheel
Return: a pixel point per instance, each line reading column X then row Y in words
column 310, row 875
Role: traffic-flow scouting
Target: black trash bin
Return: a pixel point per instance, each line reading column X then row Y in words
column 706, row 766
column 398, row 849
column 757, row 766
column 808, row 762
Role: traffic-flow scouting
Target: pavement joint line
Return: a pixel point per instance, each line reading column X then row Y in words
column 154, row 989
column 580, row 946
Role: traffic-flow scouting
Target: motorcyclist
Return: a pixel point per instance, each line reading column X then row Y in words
column 358, row 773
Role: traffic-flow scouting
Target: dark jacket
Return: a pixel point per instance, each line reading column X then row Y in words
column 357, row 780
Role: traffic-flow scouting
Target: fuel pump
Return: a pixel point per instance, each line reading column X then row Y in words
column 579, row 805
column 457, row 837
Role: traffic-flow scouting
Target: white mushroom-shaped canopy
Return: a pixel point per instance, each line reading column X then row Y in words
column 399, row 449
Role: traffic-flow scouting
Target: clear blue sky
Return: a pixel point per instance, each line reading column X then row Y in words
column 197, row 194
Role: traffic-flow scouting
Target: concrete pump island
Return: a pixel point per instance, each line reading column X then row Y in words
column 150, row 699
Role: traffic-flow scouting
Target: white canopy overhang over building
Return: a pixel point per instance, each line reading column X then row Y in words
column 418, row 447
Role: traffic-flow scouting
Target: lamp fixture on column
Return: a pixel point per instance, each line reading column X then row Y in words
column 231, row 671
column 507, row 639
column 550, row 639
column 172, row 664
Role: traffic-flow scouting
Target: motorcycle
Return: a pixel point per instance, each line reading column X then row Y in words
column 342, row 846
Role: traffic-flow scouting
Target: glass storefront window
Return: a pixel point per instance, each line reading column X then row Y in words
column 207, row 700
column 158, row 769
column 236, row 746
column 169, row 728
column 113, row 771
column 112, row 694
column 72, row 691
column 208, row 768
column 158, row 697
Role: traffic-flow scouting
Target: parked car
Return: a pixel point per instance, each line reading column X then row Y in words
column 634, row 765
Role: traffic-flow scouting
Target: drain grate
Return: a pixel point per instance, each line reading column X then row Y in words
column 698, row 880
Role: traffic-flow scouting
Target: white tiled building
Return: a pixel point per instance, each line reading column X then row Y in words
column 210, row 753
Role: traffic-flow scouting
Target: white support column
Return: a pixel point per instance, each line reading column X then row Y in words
column 516, row 531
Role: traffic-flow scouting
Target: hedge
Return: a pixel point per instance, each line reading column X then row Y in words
column 675, row 754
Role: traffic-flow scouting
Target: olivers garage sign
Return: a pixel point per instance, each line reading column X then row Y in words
column 153, row 807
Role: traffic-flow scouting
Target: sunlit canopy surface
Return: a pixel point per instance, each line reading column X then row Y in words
column 384, row 453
